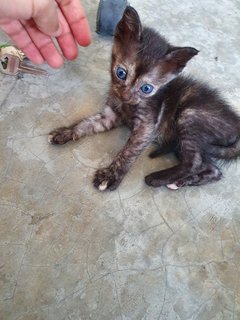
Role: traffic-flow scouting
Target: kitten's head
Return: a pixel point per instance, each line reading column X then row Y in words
column 142, row 60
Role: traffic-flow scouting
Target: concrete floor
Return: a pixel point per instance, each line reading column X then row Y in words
column 68, row 251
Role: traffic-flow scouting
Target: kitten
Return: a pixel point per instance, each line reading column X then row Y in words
column 148, row 95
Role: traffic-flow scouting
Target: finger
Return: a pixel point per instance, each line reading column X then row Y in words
column 15, row 30
column 76, row 18
column 16, row 9
column 66, row 40
column 45, row 15
column 44, row 44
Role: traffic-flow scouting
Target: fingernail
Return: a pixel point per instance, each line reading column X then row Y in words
column 57, row 33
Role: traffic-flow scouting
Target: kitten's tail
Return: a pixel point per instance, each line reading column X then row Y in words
column 227, row 153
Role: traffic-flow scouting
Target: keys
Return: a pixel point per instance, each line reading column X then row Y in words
column 11, row 50
column 12, row 62
column 12, row 65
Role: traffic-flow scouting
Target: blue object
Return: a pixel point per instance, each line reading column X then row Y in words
column 147, row 88
column 109, row 14
column 121, row 73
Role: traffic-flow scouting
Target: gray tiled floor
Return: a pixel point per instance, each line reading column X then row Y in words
column 70, row 252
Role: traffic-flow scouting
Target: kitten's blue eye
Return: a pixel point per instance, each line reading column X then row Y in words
column 147, row 88
column 121, row 73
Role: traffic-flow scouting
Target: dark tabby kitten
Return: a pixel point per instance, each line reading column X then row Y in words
column 147, row 95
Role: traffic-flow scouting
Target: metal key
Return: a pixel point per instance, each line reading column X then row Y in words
column 12, row 65
column 5, row 48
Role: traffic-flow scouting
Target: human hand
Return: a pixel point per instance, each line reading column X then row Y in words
column 33, row 24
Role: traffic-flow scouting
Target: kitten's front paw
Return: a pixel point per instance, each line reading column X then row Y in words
column 61, row 136
column 106, row 179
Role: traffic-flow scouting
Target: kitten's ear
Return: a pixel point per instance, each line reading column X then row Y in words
column 129, row 26
column 179, row 56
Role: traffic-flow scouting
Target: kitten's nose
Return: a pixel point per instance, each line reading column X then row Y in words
column 126, row 95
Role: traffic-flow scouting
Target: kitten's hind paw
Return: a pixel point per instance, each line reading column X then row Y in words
column 105, row 179
column 151, row 181
column 61, row 136
column 172, row 186
column 156, row 180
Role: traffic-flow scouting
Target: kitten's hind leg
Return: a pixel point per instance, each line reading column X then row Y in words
column 210, row 173
column 190, row 164
column 100, row 122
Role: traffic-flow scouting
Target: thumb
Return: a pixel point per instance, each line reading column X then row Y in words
column 45, row 15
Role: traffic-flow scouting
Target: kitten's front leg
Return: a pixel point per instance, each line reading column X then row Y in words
column 104, row 121
column 110, row 178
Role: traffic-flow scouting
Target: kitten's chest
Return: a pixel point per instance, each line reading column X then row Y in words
column 128, row 114
column 148, row 117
